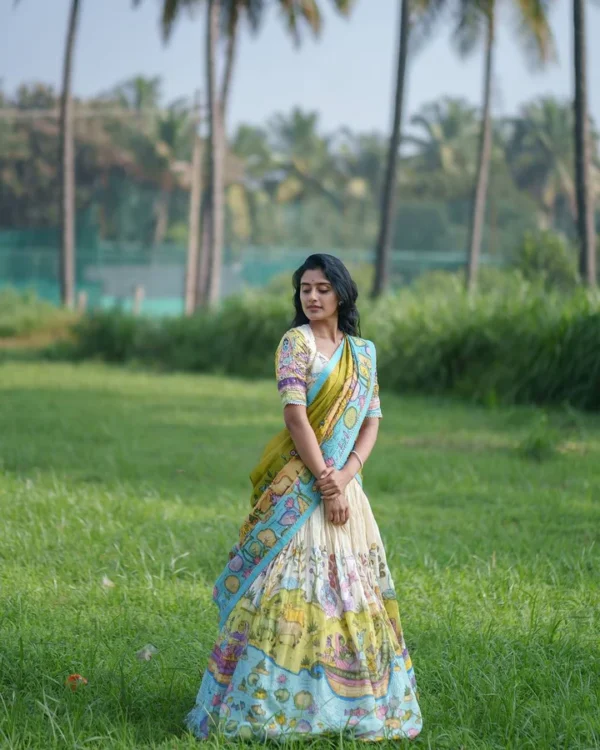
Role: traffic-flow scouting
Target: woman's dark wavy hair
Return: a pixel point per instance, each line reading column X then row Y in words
column 341, row 281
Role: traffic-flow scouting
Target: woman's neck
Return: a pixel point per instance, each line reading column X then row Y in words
column 326, row 329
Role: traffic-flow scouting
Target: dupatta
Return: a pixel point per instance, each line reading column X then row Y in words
column 284, row 496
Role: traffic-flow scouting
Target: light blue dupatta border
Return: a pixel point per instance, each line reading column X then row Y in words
column 335, row 451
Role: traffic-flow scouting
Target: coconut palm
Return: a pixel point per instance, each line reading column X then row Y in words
column 139, row 93
column 67, row 165
column 383, row 246
column 223, row 16
column 476, row 22
column 173, row 133
column 540, row 154
column 585, row 200
column 443, row 135
column 303, row 157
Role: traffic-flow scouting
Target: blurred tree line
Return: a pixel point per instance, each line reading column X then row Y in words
column 288, row 183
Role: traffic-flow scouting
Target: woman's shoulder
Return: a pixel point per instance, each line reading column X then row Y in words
column 299, row 335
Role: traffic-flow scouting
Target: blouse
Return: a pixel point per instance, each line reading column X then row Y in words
column 298, row 364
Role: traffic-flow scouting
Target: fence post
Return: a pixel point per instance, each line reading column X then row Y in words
column 138, row 299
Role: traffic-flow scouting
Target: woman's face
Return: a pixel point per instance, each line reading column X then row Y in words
column 317, row 296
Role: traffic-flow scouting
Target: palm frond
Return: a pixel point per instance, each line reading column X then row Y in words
column 427, row 17
column 344, row 6
column 472, row 20
column 171, row 11
column 533, row 30
column 309, row 10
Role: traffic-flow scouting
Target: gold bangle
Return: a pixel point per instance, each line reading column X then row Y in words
column 359, row 459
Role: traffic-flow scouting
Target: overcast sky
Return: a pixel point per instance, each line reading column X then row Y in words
column 347, row 76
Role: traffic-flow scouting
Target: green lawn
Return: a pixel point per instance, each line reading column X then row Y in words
column 142, row 478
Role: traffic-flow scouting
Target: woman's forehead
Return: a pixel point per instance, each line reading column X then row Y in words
column 314, row 276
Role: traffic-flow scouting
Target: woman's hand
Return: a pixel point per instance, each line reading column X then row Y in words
column 337, row 510
column 332, row 485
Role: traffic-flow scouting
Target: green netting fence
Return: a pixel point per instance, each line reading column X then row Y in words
column 108, row 272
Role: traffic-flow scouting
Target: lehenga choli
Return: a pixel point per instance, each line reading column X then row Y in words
column 310, row 639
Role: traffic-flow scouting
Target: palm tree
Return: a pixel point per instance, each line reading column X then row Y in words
column 173, row 129
column 67, row 166
column 382, row 249
column 225, row 14
column 303, row 157
column 139, row 93
column 540, row 154
column 216, row 152
column 445, row 130
column 585, row 201
column 476, row 20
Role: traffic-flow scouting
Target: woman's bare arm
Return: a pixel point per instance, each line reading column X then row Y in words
column 367, row 437
column 334, row 484
column 305, row 440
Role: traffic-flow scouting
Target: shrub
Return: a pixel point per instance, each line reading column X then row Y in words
column 22, row 313
column 545, row 256
column 515, row 344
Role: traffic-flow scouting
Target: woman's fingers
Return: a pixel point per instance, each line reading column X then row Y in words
column 324, row 474
column 323, row 484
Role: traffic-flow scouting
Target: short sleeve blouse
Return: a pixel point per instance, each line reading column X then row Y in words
column 298, row 364
column 292, row 362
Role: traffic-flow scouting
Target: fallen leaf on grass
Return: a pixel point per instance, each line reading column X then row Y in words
column 146, row 653
column 107, row 583
column 74, row 681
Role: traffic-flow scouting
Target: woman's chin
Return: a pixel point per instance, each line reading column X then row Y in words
column 316, row 314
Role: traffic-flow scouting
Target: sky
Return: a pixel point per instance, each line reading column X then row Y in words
column 347, row 75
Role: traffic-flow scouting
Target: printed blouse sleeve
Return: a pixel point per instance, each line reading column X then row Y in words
column 374, row 409
column 291, row 368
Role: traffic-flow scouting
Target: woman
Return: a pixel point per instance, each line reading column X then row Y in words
column 310, row 639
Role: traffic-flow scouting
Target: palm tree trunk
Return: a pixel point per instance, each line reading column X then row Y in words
column 230, row 57
column 585, row 204
column 203, row 278
column 483, row 167
column 382, row 249
column 67, row 168
column 191, row 266
column 205, row 264
column 215, row 147
column 162, row 216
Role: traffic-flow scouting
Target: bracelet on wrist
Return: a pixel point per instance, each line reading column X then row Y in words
column 360, row 461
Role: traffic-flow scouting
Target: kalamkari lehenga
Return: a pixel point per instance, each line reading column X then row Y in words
column 310, row 639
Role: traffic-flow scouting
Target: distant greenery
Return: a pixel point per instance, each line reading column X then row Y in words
column 516, row 342
column 121, row 494
column 289, row 183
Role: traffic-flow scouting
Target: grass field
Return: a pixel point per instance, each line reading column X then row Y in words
column 491, row 520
